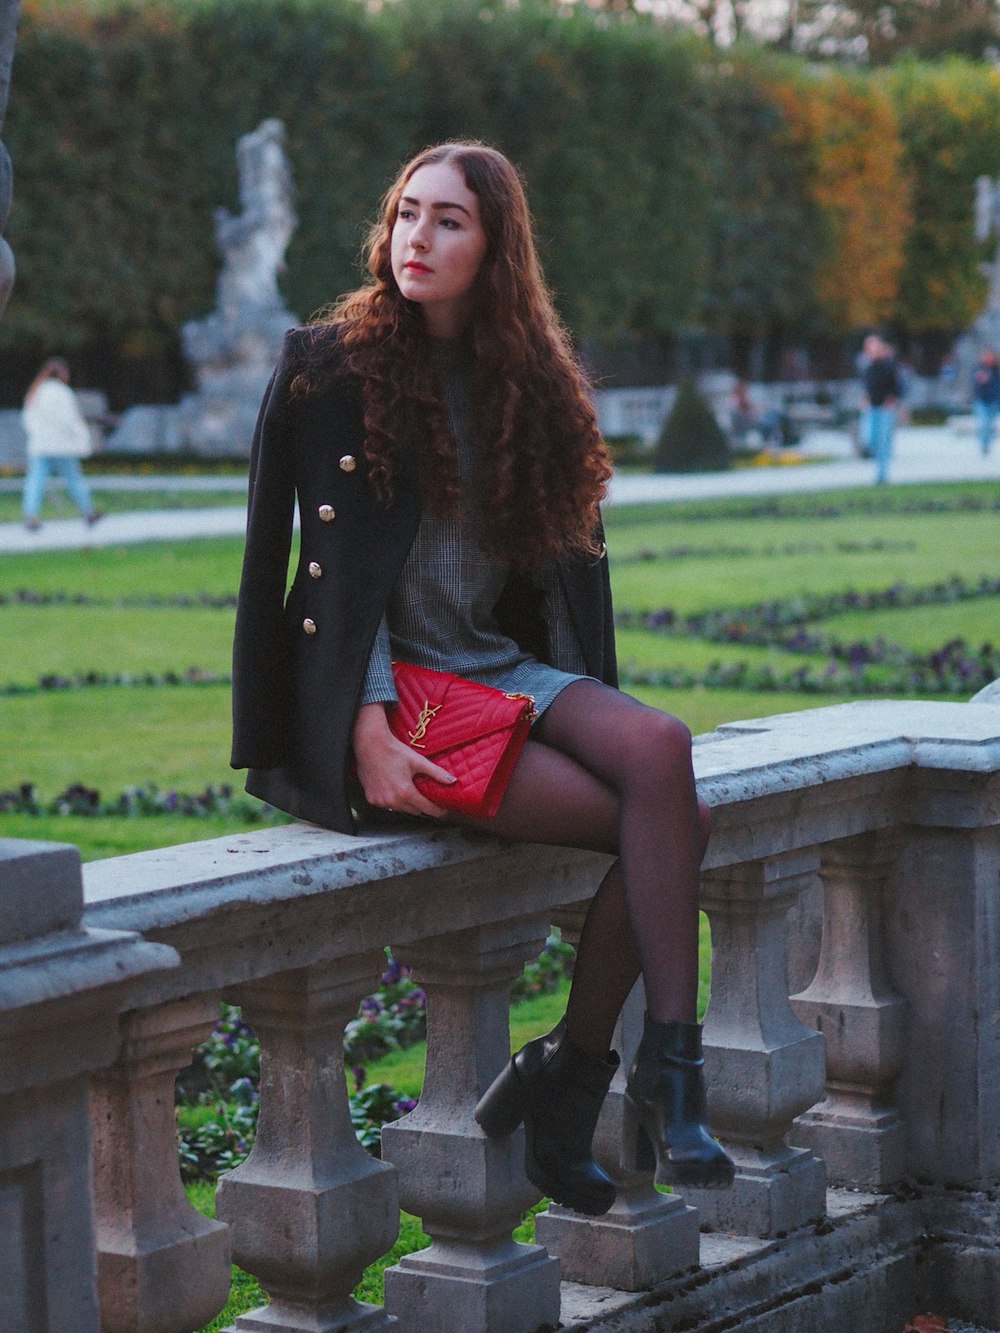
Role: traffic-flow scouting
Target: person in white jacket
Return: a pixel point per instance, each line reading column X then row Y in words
column 58, row 437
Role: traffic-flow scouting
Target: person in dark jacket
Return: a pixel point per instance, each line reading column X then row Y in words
column 986, row 397
column 437, row 434
column 883, row 386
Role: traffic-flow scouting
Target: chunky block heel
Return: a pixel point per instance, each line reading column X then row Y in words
column 645, row 1153
column 666, row 1091
column 501, row 1108
column 557, row 1090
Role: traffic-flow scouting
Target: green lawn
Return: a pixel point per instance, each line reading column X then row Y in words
column 721, row 555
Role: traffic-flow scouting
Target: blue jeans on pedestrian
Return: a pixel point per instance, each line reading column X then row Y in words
column 40, row 469
column 882, row 424
column 986, row 420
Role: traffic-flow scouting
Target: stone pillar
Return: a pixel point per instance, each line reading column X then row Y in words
column 309, row 1208
column 942, row 943
column 162, row 1266
column 61, row 987
column 470, row 1191
column 646, row 1237
column 762, row 1066
column 857, row 1130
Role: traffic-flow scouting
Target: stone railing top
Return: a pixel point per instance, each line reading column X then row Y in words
column 845, row 740
column 288, row 896
column 46, row 953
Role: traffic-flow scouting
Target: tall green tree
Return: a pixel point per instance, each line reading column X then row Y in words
column 764, row 232
column 949, row 123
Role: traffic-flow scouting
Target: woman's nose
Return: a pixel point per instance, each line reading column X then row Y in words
column 418, row 237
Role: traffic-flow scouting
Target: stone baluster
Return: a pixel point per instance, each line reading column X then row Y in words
column 646, row 1237
column 942, row 931
column 162, row 1267
column 470, row 1191
column 309, row 1208
column 61, row 988
column 763, row 1067
column 856, row 1130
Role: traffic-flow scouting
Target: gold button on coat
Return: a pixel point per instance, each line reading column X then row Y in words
column 309, row 625
column 327, row 513
column 315, row 571
column 348, row 463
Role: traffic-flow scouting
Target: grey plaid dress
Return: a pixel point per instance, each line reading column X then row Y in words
column 440, row 614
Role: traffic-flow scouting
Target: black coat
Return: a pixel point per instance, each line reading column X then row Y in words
column 299, row 661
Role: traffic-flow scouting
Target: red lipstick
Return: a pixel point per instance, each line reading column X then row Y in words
column 416, row 267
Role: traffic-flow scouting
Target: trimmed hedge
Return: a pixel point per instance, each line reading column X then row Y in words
column 673, row 185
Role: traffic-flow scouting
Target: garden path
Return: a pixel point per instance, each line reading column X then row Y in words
column 923, row 453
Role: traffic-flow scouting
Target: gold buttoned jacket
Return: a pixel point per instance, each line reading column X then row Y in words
column 299, row 657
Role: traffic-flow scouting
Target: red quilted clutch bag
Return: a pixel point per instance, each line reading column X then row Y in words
column 470, row 730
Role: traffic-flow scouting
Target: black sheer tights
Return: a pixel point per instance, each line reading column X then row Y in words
column 609, row 774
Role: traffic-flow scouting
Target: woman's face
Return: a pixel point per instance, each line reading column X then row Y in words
column 438, row 246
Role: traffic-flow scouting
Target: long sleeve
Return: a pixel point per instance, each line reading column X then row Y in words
column 262, row 670
column 54, row 424
column 379, row 687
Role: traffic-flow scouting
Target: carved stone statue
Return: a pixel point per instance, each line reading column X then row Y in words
column 234, row 349
column 250, row 316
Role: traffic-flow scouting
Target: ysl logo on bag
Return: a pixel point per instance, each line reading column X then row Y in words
column 424, row 719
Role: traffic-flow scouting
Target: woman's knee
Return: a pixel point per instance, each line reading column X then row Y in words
column 660, row 743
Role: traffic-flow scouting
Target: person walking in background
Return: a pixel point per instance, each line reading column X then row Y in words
column 986, row 397
column 58, row 437
column 883, row 387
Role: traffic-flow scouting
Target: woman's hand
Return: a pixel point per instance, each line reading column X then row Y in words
column 387, row 767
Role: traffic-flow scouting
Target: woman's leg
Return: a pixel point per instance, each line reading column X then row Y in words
column 75, row 482
column 616, row 776
column 35, row 482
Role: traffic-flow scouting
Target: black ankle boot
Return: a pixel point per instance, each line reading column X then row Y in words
column 666, row 1090
column 558, row 1091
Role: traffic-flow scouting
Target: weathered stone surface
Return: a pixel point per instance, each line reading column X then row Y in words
column 470, row 1191
column 162, row 1266
column 42, row 890
column 788, row 793
column 309, row 1208
column 61, row 987
column 856, row 1130
column 989, row 694
column 232, row 351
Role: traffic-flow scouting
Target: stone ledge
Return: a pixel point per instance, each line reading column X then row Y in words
column 868, row 1267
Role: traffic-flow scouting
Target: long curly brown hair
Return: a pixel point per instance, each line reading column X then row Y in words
column 543, row 464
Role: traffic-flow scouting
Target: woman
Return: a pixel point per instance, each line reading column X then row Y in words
column 439, row 438
column 58, row 437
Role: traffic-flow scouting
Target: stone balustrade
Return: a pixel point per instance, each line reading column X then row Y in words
column 852, row 1041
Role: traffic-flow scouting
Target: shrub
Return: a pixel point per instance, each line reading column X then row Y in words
column 691, row 439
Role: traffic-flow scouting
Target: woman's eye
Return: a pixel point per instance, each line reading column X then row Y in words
column 451, row 223
column 406, row 213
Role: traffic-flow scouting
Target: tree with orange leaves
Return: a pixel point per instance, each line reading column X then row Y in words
column 858, row 181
